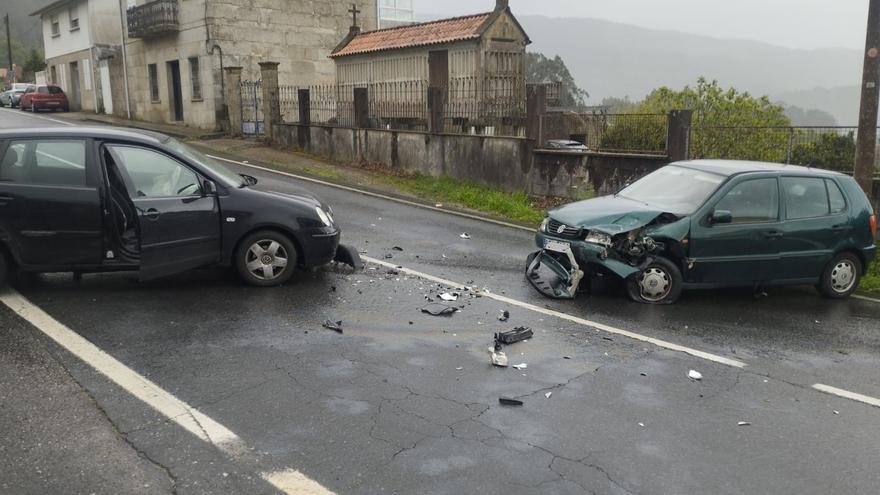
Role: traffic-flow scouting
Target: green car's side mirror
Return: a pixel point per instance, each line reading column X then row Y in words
column 721, row 217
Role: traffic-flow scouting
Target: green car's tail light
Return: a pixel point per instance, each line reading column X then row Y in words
column 873, row 222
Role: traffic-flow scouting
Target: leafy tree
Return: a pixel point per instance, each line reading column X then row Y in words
column 540, row 69
column 34, row 62
column 831, row 151
column 726, row 123
column 810, row 117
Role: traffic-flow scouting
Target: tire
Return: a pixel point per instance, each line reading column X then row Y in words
column 841, row 276
column 659, row 283
column 268, row 272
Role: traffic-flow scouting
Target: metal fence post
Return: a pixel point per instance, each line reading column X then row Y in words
column 305, row 106
column 678, row 134
column 435, row 109
column 790, row 145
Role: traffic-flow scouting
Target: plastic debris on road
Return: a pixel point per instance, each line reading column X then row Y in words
column 516, row 335
column 437, row 309
column 547, row 395
column 465, row 236
column 397, row 248
column 695, row 375
column 744, row 423
column 505, row 401
column 520, row 366
column 336, row 326
column 498, row 357
column 450, row 296
column 505, row 315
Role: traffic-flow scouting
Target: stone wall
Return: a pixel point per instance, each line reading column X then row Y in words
column 509, row 164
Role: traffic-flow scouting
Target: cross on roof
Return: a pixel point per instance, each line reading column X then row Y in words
column 354, row 14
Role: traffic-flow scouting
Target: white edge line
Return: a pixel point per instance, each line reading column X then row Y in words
column 377, row 195
column 846, row 394
column 865, row 298
column 31, row 114
column 293, row 482
column 574, row 319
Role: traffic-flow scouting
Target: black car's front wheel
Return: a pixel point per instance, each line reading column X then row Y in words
column 659, row 283
column 266, row 259
column 4, row 269
column 841, row 276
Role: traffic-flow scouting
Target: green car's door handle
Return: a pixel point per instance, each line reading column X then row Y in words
column 773, row 234
column 842, row 227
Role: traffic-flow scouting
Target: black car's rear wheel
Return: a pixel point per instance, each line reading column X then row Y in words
column 841, row 276
column 266, row 259
column 659, row 283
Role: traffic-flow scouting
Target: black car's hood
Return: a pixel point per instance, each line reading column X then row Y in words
column 289, row 192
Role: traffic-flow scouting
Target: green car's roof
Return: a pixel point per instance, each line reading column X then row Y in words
column 729, row 168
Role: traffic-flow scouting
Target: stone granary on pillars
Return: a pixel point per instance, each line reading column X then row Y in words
column 477, row 62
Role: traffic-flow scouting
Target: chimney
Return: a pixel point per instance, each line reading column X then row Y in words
column 502, row 4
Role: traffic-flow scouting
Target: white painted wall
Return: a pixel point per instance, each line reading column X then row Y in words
column 66, row 41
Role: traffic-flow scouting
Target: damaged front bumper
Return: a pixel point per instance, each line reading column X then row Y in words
column 558, row 269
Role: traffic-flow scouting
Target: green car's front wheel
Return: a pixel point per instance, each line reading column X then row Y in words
column 659, row 283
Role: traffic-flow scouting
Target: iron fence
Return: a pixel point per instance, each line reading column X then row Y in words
column 831, row 148
column 399, row 105
column 252, row 108
column 619, row 133
column 493, row 111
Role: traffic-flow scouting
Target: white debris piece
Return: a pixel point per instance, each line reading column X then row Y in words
column 498, row 358
column 449, row 296
column 520, row 366
column 642, row 425
column 695, row 375
column 744, row 423
column 465, row 236
column 547, row 395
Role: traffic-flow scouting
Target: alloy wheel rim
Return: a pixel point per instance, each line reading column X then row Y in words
column 267, row 259
column 843, row 277
column 654, row 284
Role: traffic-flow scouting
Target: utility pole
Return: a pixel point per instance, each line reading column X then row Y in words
column 867, row 140
column 9, row 46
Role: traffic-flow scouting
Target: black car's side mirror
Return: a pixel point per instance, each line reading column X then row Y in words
column 209, row 188
column 721, row 217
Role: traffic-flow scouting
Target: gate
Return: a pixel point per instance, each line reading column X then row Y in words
column 252, row 108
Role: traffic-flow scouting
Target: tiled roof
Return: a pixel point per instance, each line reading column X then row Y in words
column 428, row 33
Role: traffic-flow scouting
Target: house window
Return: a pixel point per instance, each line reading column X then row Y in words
column 194, row 77
column 154, row 82
column 56, row 28
column 74, row 17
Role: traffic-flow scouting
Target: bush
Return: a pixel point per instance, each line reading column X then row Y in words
column 831, row 151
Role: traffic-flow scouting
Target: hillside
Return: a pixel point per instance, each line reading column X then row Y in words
column 611, row 59
column 25, row 29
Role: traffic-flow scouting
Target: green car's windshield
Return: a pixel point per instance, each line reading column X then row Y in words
column 672, row 189
column 220, row 171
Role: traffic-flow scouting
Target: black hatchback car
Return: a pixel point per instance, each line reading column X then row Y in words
column 97, row 200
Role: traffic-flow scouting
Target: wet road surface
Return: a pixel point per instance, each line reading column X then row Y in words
column 403, row 402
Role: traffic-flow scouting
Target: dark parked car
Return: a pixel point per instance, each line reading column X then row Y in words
column 565, row 144
column 710, row 224
column 44, row 97
column 12, row 97
column 94, row 200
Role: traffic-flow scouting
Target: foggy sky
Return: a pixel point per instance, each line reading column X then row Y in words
column 792, row 23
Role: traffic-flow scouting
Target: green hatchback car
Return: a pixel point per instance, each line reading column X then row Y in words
column 711, row 224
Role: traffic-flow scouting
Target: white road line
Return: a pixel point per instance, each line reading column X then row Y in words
column 378, row 195
column 39, row 117
column 865, row 298
column 294, row 482
column 846, row 394
column 186, row 416
column 574, row 319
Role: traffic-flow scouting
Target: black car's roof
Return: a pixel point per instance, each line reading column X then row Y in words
column 148, row 137
column 730, row 168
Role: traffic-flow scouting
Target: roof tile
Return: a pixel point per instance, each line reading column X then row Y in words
column 429, row 33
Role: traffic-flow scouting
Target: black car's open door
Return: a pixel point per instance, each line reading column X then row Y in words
column 179, row 222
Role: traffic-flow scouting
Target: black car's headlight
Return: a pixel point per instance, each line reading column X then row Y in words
column 326, row 218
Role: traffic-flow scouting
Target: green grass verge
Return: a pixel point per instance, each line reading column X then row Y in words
column 871, row 281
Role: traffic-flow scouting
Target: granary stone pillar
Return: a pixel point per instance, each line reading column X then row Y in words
column 232, row 76
column 536, row 109
column 271, row 101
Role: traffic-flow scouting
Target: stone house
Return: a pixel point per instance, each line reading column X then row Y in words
column 478, row 61
column 177, row 49
column 78, row 38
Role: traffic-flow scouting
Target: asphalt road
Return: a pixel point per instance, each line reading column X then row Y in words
column 403, row 402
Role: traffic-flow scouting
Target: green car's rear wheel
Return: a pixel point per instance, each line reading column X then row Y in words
column 841, row 276
column 659, row 283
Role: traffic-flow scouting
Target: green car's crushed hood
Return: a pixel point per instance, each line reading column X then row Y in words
column 609, row 214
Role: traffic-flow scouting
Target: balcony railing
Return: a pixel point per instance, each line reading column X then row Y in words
column 155, row 18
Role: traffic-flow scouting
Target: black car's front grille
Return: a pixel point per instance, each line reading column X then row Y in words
column 556, row 228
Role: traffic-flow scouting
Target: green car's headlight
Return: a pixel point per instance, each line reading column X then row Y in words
column 544, row 224
column 598, row 238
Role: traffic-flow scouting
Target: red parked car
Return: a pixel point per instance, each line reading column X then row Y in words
column 44, row 97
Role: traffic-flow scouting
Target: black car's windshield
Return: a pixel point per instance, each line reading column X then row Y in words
column 220, row 171
column 674, row 189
